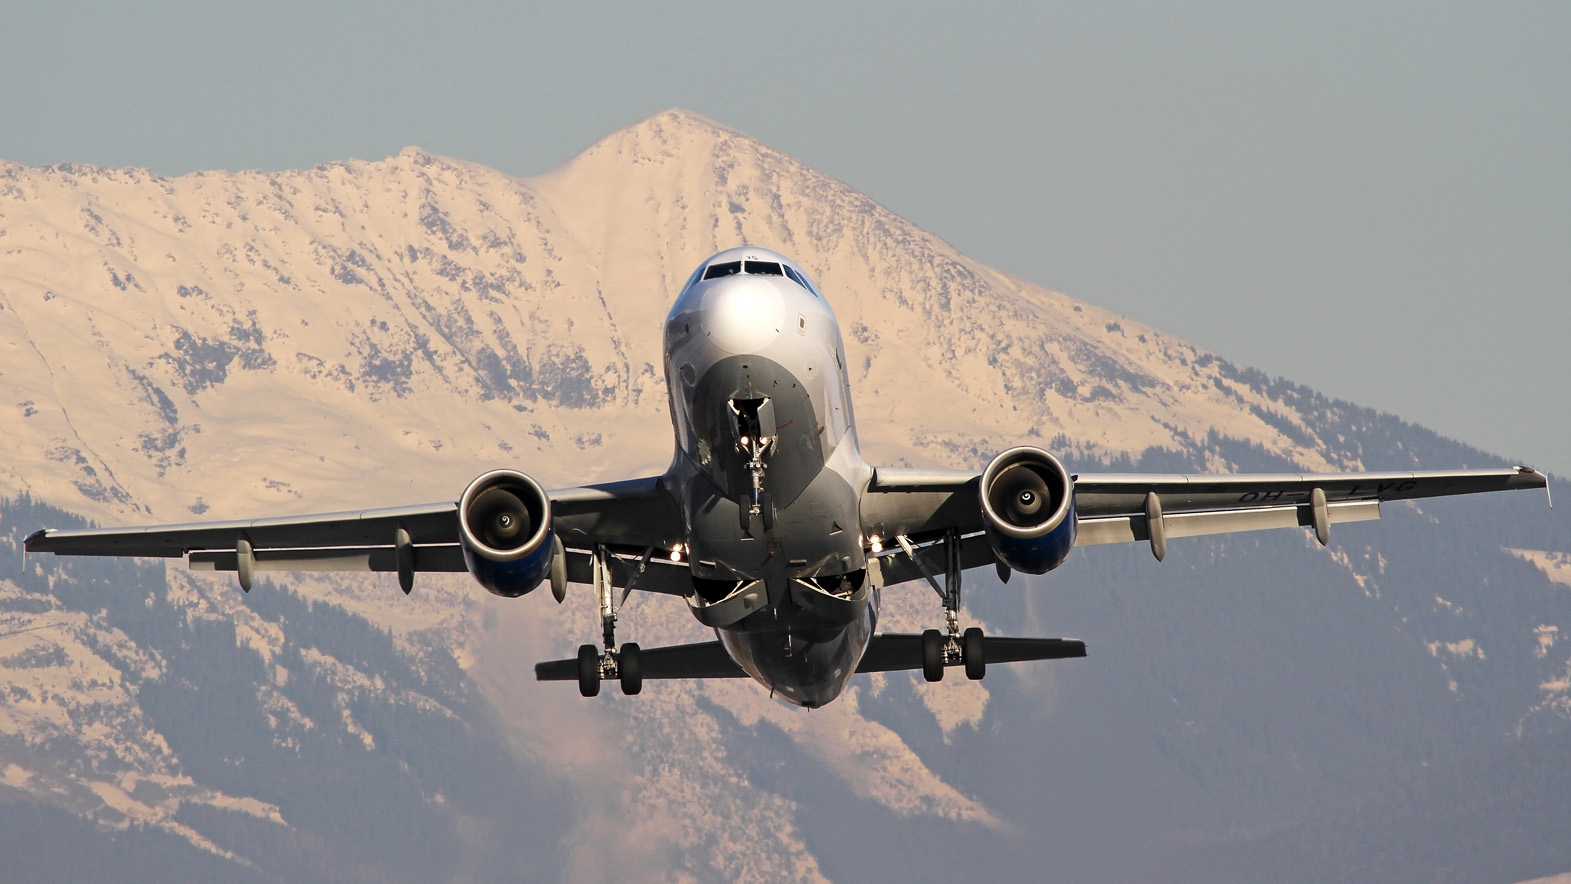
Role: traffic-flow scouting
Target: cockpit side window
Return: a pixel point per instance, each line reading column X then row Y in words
column 728, row 268
column 799, row 279
column 808, row 281
column 690, row 280
column 763, row 268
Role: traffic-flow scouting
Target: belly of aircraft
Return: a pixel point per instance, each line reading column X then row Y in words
column 806, row 669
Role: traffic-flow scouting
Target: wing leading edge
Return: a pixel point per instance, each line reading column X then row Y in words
column 927, row 505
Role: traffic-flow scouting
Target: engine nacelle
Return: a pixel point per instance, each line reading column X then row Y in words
column 1028, row 509
column 504, row 527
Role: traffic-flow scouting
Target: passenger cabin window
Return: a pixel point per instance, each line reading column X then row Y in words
column 764, row 268
column 729, row 268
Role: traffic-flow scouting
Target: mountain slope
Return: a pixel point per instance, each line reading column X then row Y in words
column 363, row 334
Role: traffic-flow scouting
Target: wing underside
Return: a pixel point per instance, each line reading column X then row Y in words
column 631, row 521
column 930, row 509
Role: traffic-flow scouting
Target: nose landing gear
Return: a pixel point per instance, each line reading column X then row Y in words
column 755, row 437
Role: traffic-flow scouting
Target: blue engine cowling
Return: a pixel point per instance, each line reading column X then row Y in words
column 1028, row 509
column 504, row 527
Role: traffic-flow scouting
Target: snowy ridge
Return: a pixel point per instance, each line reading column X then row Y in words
column 244, row 329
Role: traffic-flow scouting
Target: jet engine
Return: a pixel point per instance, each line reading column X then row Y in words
column 1028, row 509
column 504, row 527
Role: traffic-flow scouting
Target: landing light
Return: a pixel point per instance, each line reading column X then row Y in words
column 676, row 553
column 876, row 543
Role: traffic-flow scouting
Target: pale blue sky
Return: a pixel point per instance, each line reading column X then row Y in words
column 1372, row 199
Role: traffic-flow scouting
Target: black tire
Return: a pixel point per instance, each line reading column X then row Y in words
column 971, row 652
column 933, row 655
column 630, row 668
column 588, row 670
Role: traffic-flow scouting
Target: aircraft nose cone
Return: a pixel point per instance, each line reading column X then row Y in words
column 743, row 314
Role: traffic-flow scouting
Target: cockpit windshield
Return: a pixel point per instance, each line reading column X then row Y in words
column 728, row 268
column 756, row 268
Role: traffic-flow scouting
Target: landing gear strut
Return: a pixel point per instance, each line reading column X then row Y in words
column 938, row 649
column 594, row 667
column 755, row 438
column 758, row 505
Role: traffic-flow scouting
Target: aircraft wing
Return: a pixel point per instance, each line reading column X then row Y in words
column 631, row 518
column 926, row 505
column 1113, row 507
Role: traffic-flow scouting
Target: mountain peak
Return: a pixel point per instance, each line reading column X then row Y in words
column 680, row 118
column 665, row 137
column 676, row 126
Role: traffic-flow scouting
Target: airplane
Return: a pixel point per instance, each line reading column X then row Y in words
column 769, row 523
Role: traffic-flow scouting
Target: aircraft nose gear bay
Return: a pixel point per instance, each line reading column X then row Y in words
column 769, row 524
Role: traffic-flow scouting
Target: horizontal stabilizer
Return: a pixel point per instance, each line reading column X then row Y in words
column 890, row 652
column 885, row 653
column 701, row 660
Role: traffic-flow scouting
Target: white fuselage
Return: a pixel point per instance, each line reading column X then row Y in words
column 767, row 473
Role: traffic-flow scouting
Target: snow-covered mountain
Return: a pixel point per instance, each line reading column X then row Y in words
column 365, row 334
column 244, row 327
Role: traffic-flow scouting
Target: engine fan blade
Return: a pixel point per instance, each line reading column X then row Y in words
column 1019, row 495
column 500, row 518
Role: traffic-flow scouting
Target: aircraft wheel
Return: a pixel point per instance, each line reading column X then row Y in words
column 630, row 668
column 971, row 653
column 588, row 670
column 933, row 655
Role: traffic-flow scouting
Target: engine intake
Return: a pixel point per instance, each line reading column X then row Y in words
column 1028, row 509
column 504, row 527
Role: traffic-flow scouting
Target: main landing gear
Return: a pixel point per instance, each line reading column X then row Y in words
column 594, row 667
column 623, row 666
column 940, row 650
